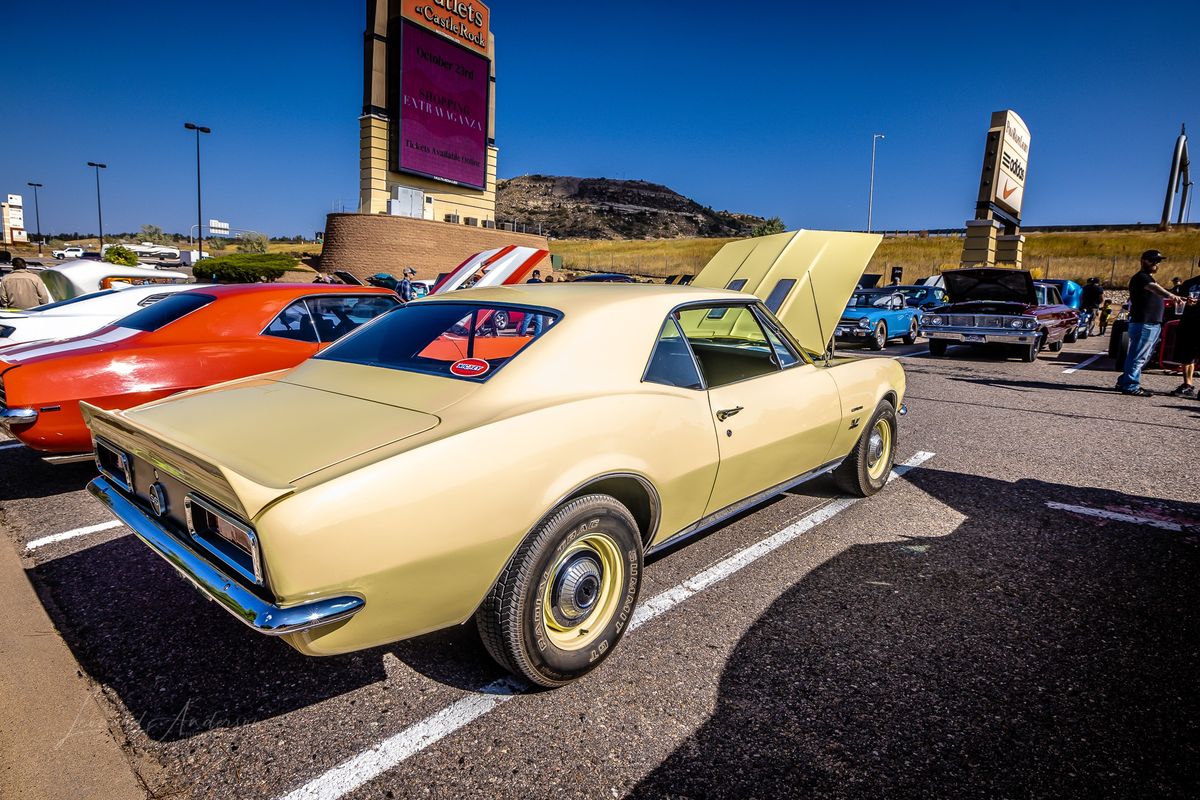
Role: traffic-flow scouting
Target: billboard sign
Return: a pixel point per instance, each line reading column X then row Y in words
column 442, row 110
column 463, row 22
column 1006, row 163
column 218, row 228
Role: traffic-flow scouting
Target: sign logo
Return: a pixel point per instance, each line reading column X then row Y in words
column 1008, row 190
column 158, row 499
column 465, row 23
column 470, row 368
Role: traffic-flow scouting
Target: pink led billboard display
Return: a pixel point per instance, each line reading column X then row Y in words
column 443, row 110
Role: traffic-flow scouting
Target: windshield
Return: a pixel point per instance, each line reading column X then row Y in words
column 869, row 300
column 165, row 311
column 468, row 341
column 72, row 301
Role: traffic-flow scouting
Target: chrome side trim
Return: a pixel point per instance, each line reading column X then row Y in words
column 262, row 616
column 717, row 517
column 69, row 458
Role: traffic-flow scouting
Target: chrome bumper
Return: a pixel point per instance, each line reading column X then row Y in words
column 260, row 615
column 976, row 336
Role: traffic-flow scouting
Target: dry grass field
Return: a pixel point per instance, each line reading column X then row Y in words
column 1110, row 255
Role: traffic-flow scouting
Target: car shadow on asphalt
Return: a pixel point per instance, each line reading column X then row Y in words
column 1030, row 652
column 182, row 666
column 25, row 476
column 1008, row 383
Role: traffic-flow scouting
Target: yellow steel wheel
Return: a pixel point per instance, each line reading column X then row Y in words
column 879, row 449
column 583, row 592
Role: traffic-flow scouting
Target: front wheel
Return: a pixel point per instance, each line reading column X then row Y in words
column 865, row 471
column 567, row 595
column 937, row 347
column 878, row 339
column 911, row 336
column 1029, row 353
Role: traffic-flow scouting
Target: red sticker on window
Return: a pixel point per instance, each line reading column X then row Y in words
column 470, row 367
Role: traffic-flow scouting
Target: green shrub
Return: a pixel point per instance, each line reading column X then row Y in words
column 252, row 243
column 122, row 256
column 244, row 268
column 769, row 227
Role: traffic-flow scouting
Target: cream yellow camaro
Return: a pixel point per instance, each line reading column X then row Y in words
column 433, row 466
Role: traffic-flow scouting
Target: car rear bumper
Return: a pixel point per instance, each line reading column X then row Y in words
column 972, row 336
column 259, row 614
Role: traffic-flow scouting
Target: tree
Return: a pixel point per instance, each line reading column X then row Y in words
column 152, row 234
column 252, row 243
column 768, row 227
column 122, row 256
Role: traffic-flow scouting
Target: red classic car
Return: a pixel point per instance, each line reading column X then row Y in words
column 993, row 306
column 186, row 341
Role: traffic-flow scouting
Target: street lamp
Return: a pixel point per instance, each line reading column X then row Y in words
column 37, row 213
column 199, row 129
column 99, row 208
column 871, row 197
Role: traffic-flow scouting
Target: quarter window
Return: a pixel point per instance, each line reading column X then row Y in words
column 779, row 294
column 325, row 319
column 294, row 323
column 672, row 363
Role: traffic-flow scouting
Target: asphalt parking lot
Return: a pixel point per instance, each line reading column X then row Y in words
column 1014, row 616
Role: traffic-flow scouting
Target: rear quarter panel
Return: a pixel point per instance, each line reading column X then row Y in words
column 423, row 535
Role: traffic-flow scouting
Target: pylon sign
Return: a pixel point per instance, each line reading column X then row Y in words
column 1005, row 167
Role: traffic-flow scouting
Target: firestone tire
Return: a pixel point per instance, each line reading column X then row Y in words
column 937, row 348
column 878, row 339
column 565, row 598
column 865, row 471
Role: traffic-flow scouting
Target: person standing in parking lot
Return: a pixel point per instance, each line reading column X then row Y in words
column 21, row 288
column 405, row 287
column 1147, row 303
column 1093, row 296
column 1187, row 347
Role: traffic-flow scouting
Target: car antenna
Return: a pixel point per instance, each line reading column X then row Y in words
column 828, row 354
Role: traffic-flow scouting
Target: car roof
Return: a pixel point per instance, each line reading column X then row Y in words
column 266, row 290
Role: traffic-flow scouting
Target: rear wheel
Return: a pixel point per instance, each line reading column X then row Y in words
column 1055, row 347
column 937, row 347
column 567, row 595
column 865, row 471
column 878, row 339
column 911, row 336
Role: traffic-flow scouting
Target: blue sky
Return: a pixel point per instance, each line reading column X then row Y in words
column 736, row 105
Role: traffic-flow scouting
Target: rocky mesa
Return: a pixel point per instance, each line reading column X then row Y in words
column 601, row 208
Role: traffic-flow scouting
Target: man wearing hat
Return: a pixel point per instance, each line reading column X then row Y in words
column 1146, row 307
column 405, row 289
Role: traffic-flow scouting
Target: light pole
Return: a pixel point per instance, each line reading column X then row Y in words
column 199, row 129
column 99, row 208
column 871, row 196
column 37, row 212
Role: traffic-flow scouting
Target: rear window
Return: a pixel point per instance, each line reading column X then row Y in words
column 165, row 311
column 467, row 341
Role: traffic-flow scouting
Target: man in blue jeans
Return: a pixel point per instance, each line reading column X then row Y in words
column 533, row 321
column 1146, row 306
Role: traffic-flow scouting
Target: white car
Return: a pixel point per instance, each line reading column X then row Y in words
column 80, row 277
column 68, row 252
column 81, row 315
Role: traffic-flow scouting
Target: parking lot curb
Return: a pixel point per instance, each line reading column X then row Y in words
column 54, row 736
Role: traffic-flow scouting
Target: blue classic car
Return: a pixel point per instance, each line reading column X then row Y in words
column 923, row 297
column 874, row 316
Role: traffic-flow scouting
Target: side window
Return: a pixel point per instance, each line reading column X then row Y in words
column 730, row 347
column 779, row 294
column 294, row 323
column 334, row 317
column 672, row 364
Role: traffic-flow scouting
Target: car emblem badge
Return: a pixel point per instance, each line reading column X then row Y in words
column 158, row 499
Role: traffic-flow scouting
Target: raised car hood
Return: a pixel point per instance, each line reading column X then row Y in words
column 1004, row 285
column 261, row 435
column 825, row 265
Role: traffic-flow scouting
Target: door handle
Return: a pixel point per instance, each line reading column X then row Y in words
column 726, row 413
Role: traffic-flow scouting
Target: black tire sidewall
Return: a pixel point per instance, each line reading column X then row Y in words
column 878, row 341
column 555, row 665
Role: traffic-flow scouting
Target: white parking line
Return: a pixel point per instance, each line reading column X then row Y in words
column 1117, row 516
column 370, row 764
column 1084, row 364
column 62, row 537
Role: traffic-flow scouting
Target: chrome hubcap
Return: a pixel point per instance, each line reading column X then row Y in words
column 874, row 447
column 576, row 588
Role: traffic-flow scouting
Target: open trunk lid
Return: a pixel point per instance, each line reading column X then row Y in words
column 805, row 277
